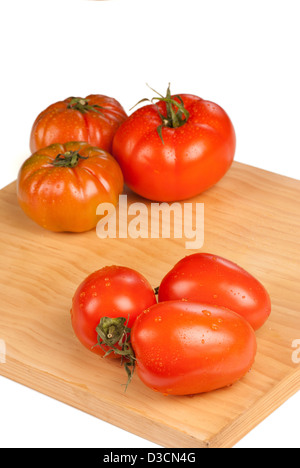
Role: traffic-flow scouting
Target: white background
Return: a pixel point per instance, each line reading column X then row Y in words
column 244, row 55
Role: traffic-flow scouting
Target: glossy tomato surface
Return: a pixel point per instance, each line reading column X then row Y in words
column 60, row 186
column 181, row 162
column 215, row 280
column 183, row 348
column 113, row 291
column 93, row 119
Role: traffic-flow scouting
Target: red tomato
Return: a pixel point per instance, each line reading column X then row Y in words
column 60, row 186
column 113, row 292
column 214, row 280
column 170, row 153
column 183, row 348
column 93, row 119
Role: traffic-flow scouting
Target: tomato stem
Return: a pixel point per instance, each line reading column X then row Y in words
column 111, row 332
column 177, row 114
column 83, row 105
column 68, row 159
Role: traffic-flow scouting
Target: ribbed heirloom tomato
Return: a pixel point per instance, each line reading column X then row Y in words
column 183, row 348
column 107, row 301
column 215, row 280
column 60, row 186
column 176, row 148
column 93, row 119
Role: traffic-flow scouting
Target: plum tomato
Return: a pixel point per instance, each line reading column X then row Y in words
column 215, row 280
column 184, row 348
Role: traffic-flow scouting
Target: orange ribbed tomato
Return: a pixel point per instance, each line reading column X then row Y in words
column 93, row 119
column 60, row 186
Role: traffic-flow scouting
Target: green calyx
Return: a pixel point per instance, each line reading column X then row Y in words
column 177, row 114
column 113, row 333
column 83, row 105
column 68, row 159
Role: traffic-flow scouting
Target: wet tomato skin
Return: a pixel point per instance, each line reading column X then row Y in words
column 191, row 159
column 185, row 348
column 215, row 280
column 65, row 199
column 96, row 122
column 113, row 291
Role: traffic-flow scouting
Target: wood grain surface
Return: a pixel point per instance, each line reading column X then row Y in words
column 252, row 217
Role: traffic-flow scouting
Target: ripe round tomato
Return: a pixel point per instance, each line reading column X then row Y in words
column 183, row 348
column 175, row 149
column 214, row 280
column 93, row 119
column 112, row 292
column 60, row 186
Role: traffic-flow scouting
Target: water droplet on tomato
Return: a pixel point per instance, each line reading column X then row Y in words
column 214, row 326
column 206, row 312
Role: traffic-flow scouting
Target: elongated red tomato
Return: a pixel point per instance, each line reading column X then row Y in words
column 215, row 280
column 183, row 347
column 112, row 292
column 175, row 149
column 94, row 119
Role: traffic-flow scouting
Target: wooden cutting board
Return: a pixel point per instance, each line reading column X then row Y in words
column 251, row 217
